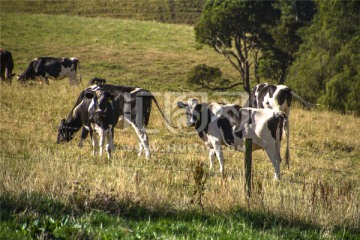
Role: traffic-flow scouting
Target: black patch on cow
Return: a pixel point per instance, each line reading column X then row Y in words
column 6, row 65
column 239, row 133
column 274, row 122
column 253, row 100
column 67, row 62
column 225, row 126
column 263, row 91
column 284, row 94
column 203, row 120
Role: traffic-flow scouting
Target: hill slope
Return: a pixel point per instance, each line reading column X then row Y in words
column 167, row 11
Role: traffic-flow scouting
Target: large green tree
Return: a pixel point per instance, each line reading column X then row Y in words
column 277, row 57
column 327, row 67
column 239, row 30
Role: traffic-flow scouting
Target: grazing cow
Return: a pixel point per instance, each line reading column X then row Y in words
column 278, row 98
column 55, row 68
column 97, row 81
column 134, row 106
column 6, row 66
column 228, row 125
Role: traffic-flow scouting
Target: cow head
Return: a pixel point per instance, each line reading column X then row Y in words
column 193, row 111
column 101, row 101
column 21, row 79
column 65, row 132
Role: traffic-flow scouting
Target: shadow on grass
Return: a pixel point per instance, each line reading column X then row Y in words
column 32, row 206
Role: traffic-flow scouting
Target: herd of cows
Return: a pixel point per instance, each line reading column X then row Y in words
column 101, row 107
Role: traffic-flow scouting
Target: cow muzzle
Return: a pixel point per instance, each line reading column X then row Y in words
column 99, row 114
column 191, row 122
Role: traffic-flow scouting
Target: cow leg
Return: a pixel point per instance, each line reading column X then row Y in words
column 2, row 76
column 275, row 160
column 287, row 133
column 211, row 157
column 143, row 137
column 141, row 148
column 95, row 143
column 84, row 134
column 73, row 81
column 102, row 141
column 45, row 80
column 144, row 143
column 110, row 142
column 219, row 154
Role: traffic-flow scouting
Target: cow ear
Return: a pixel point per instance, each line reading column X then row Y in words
column 89, row 94
column 181, row 105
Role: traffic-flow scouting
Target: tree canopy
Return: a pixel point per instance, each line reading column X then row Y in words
column 327, row 65
column 238, row 29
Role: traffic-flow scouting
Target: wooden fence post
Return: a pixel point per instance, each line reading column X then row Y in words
column 247, row 165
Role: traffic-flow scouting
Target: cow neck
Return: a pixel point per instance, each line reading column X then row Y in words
column 74, row 123
column 201, row 126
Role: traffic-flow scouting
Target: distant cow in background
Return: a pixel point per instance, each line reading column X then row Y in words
column 229, row 124
column 278, row 98
column 97, row 81
column 54, row 68
column 6, row 66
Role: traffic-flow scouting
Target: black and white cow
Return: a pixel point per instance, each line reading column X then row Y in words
column 134, row 106
column 6, row 66
column 229, row 124
column 49, row 67
column 278, row 98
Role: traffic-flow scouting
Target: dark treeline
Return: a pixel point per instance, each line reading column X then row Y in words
column 312, row 46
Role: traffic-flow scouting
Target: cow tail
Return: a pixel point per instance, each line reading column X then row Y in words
column 307, row 104
column 162, row 113
column 283, row 126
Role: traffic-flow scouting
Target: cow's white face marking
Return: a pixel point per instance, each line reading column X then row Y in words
column 92, row 105
column 191, row 112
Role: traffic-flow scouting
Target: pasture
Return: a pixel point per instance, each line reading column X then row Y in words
column 49, row 190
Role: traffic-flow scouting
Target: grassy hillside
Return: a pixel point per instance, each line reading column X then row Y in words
column 61, row 191
column 128, row 52
column 166, row 11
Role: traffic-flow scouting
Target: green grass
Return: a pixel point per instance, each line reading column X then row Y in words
column 50, row 219
column 61, row 191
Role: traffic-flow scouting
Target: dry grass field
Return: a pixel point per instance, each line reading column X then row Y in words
column 320, row 189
